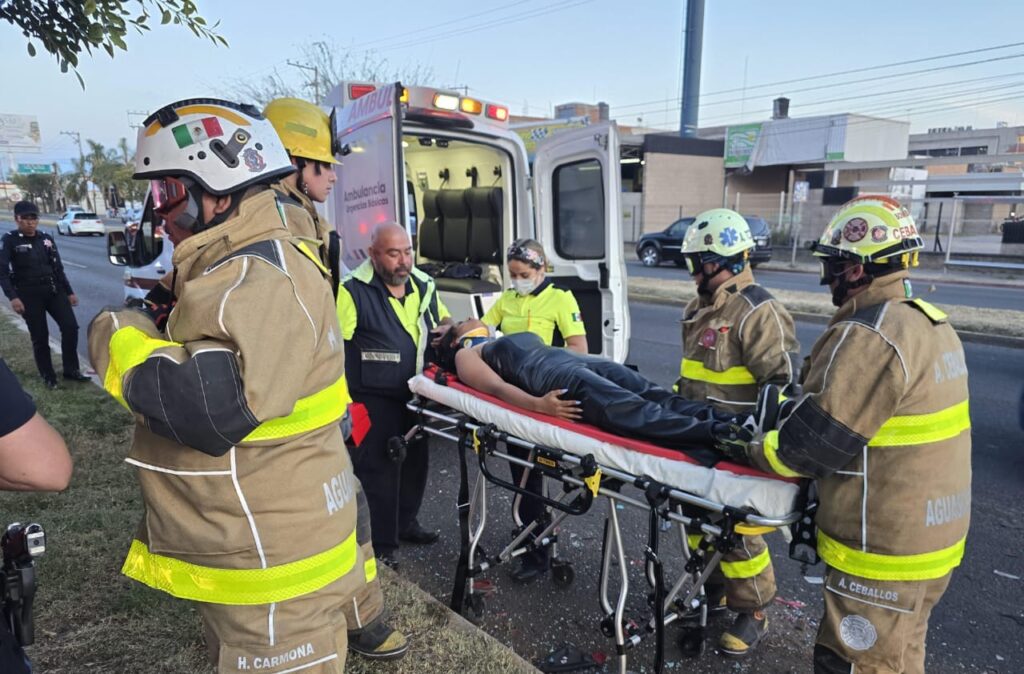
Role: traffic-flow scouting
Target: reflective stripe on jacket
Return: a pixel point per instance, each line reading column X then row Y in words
column 884, row 427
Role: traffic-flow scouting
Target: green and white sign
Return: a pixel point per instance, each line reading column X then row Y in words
column 25, row 169
column 740, row 142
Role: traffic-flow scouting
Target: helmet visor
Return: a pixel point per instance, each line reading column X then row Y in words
column 694, row 263
column 831, row 267
column 167, row 192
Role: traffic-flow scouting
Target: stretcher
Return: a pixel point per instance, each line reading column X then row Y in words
column 720, row 503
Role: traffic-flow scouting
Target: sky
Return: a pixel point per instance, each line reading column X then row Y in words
column 534, row 54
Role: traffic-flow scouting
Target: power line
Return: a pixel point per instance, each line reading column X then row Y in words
column 417, row 31
column 859, row 81
column 870, row 68
column 513, row 18
column 898, row 103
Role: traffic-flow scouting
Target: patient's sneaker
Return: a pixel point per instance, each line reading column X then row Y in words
column 744, row 635
column 378, row 641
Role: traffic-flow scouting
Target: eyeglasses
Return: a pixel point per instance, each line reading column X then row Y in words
column 167, row 193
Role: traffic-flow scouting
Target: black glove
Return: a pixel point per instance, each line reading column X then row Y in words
column 158, row 305
column 732, row 439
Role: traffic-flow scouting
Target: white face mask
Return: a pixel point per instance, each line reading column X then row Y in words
column 524, row 286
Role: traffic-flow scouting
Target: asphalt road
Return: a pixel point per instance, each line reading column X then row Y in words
column 990, row 296
column 977, row 628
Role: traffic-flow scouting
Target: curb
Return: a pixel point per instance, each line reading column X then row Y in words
column 970, row 336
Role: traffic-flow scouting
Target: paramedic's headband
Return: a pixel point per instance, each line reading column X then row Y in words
column 527, row 255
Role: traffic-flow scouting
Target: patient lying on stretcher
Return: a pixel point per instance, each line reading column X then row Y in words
column 521, row 370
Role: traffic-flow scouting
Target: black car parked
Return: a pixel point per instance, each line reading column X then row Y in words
column 665, row 246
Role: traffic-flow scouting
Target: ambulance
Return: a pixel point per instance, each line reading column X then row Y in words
column 450, row 169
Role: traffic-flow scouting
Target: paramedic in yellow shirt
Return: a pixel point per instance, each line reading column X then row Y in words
column 534, row 304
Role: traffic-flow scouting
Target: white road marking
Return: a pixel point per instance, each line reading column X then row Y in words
column 74, row 264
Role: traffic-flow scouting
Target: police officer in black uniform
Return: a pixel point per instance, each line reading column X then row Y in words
column 32, row 277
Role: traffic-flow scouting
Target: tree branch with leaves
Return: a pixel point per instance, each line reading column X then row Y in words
column 67, row 29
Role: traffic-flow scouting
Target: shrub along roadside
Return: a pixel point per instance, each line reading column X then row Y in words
column 90, row 618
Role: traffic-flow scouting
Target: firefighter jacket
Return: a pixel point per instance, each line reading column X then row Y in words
column 734, row 343
column 883, row 426
column 240, row 393
column 386, row 338
column 303, row 221
column 30, row 261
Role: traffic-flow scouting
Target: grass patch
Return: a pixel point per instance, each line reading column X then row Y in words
column 89, row 618
column 975, row 319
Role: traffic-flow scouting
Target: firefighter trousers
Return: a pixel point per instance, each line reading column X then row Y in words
column 368, row 602
column 874, row 626
column 394, row 489
column 40, row 301
column 306, row 634
column 746, row 573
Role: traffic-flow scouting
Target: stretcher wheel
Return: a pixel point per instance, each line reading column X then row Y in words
column 475, row 608
column 608, row 626
column 562, row 573
column 692, row 643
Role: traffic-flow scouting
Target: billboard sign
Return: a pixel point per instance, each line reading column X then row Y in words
column 740, row 142
column 26, row 169
column 19, row 132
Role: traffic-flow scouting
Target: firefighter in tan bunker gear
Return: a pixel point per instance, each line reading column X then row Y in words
column 883, row 427
column 309, row 137
column 227, row 403
column 736, row 339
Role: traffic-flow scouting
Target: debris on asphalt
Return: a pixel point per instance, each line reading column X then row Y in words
column 1005, row 575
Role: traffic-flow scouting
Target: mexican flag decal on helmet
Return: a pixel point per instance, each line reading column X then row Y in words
column 186, row 134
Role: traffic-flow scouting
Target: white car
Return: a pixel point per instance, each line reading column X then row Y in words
column 78, row 222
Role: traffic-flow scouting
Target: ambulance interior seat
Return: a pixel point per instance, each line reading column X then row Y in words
column 431, row 236
column 446, row 239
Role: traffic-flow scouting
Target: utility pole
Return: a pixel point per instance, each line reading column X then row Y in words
column 694, row 39
column 81, row 158
column 316, row 77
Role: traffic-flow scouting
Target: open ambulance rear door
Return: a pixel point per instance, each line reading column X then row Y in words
column 371, row 170
column 576, row 187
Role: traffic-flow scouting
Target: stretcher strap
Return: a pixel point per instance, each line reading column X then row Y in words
column 462, row 569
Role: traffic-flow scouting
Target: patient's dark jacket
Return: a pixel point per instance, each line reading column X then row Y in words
column 612, row 396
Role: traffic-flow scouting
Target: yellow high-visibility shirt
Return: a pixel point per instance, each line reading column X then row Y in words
column 540, row 312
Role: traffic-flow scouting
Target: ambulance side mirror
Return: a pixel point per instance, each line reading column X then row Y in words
column 117, row 249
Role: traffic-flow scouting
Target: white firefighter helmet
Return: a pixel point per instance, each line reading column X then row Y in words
column 223, row 146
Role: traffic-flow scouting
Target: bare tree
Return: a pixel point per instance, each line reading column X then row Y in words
column 331, row 64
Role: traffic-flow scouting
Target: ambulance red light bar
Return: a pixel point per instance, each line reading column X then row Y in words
column 498, row 112
column 359, row 90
